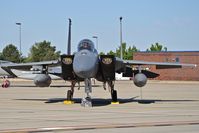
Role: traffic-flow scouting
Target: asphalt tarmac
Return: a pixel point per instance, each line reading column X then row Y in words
column 164, row 107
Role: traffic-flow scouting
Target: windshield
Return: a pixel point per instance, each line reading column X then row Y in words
column 86, row 44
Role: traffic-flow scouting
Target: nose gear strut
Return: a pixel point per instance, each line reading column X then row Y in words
column 87, row 102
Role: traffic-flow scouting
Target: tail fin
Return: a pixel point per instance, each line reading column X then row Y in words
column 69, row 38
column 121, row 50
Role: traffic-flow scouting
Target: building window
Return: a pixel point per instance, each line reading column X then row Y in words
column 177, row 59
column 166, row 59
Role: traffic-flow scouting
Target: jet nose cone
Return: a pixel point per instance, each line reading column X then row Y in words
column 85, row 64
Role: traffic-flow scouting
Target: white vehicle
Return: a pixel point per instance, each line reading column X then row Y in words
column 120, row 77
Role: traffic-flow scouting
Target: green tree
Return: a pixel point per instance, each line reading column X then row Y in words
column 11, row 53
column 117, row 54
column 111, row 53
column 43, row 51
column 130, row 51
column 127, row 52
column 101, row 53
column 157, row 47
column 1, row 56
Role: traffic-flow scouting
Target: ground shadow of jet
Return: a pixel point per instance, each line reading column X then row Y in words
column 149, row 101
column 104, row 102
column 95, row 101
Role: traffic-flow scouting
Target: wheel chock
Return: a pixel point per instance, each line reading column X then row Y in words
column 68, row 102
column 115, row 102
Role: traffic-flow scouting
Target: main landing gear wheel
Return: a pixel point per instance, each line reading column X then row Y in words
column 114, row 96
column 70, row 92
column 113, row 92
column 69, row 95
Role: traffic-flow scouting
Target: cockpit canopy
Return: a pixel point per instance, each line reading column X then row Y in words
column 86, row 44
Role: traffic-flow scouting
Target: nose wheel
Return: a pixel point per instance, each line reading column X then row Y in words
column 86, row 102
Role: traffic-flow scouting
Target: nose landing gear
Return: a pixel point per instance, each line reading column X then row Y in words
column 87, row 102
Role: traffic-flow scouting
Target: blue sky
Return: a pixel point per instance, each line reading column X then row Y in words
column 173, row 23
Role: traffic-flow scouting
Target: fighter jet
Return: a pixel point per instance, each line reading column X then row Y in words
column 28, row 74
column 86, row 63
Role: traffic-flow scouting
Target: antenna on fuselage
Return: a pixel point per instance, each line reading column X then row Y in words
column 69, row 38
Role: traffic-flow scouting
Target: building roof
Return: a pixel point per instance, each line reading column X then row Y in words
column 167, row 52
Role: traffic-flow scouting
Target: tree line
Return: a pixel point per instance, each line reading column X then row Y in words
column 40, row 51
column 44, row 51
column 128, row 51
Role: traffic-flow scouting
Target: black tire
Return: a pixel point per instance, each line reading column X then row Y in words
column 114, row 95
column 69, row 95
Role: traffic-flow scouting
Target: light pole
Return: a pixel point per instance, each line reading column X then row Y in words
column 19, row 24
column 121, row 51
column 96, row 42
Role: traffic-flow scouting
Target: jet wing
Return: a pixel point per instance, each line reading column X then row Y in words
column 28, row 66
column 159, row 65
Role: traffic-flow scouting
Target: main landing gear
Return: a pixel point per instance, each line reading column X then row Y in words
column 71, row 91
column 87, row 101
column 112, row 91
column 70, row 94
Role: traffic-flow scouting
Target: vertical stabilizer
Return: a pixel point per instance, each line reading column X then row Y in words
column 121, row 50
column 69, row 38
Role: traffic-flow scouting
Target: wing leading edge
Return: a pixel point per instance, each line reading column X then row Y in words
column 28, row 66
column 159, row 65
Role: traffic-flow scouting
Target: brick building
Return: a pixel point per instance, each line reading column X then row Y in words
column 185, row 73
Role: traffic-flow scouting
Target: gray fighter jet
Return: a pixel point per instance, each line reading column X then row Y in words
column 28, row 74
column 86, row 63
